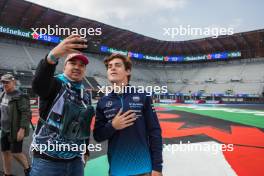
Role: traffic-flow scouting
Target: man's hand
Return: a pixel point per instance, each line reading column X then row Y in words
column 124, row 120
column 86, row 156
column 156, row 173
column 20, row 134
column 68, row 46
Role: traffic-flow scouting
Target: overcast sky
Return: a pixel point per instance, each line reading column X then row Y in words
column 153, row 17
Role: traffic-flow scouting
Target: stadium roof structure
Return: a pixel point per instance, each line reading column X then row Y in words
column 25, row 15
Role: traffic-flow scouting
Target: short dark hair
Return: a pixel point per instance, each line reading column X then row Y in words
column 126, row 61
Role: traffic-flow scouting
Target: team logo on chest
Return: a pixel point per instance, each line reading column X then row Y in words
column 108, row 104
column 136, row 98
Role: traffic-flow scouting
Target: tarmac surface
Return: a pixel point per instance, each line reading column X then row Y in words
column 190, row 129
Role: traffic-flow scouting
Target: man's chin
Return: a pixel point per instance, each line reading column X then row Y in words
column 77, row 79
column 113, row 81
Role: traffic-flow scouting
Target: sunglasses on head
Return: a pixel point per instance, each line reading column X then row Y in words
column 5, row 82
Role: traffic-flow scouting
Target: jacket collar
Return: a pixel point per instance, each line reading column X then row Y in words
column 75, row 85
column 16, row 97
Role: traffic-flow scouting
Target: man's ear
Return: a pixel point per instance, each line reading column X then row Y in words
column 129, row 72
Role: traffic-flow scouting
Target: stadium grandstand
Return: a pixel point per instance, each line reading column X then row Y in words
column 227, row 66
column 227, row 69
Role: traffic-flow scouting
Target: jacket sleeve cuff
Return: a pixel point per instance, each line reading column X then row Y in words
column 87, row 152
column 157, row 168
column 23, row 127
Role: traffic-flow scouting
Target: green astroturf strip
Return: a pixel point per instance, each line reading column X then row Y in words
column 243, row 118
column 97, row 167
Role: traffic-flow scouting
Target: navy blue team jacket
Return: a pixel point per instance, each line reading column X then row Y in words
column 136, row 149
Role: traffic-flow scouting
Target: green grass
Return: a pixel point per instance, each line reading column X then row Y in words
column 97, row 167
column 246, row 118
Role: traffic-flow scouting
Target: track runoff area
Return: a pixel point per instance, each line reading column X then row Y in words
column 198, row 139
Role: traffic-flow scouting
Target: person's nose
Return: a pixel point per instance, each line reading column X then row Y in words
column 113, row 68
column 78, row 67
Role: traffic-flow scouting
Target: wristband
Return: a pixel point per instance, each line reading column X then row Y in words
column 53, row 58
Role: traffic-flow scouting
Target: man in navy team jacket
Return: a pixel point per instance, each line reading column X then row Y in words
column 130, row 124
